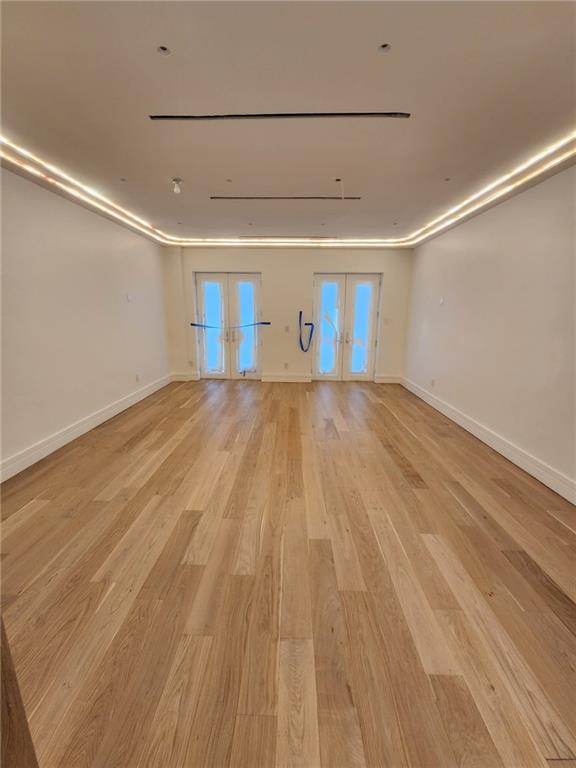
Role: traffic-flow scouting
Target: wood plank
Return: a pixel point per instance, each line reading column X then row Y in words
column 466, row 730
column 295, row 618
column 549, row 731
column 297, row 740
column 254, row 741
column 503, row 719
column 328, row 574
column 171, row 728
column 17, row 748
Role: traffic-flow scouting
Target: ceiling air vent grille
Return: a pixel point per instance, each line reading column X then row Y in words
column 283, row 197
column 284, row 116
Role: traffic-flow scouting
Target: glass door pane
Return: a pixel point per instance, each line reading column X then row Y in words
column 329, row 319
column 212, row 305
column 361, row 312
column 244, row 313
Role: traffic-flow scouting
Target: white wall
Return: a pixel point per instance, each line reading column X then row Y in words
column 73, row 344
column 287, row 287
column 499, row 353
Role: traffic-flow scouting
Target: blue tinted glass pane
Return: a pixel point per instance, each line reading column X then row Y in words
column 328, row 327
column 212, row 336
column 360, row 340
column 247, row 346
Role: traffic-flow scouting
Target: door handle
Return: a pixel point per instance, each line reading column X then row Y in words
column 347, row 338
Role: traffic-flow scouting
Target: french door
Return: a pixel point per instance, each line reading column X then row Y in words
column 229, row 307
column 346, row 311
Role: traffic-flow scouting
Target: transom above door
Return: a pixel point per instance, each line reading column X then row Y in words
column 229, row 307
column 346, row 312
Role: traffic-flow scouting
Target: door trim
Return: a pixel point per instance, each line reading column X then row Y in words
column 227, row 280
column 347, row 313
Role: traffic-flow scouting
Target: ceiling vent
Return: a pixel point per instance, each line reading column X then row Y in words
column 284, row 116
column 282, row 197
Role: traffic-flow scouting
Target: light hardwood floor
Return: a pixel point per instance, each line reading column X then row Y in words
column 259, row 575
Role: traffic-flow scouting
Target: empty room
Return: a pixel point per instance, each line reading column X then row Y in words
column 288, row 437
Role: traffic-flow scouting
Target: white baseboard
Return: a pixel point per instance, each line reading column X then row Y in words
column 287, row 377
column 18, row 461
column 185, row 376
column 551, row 477
column 557, row 481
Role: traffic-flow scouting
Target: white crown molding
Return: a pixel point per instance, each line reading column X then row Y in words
column 551, row 159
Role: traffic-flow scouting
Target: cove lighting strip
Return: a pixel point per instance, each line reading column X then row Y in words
column 552, row 156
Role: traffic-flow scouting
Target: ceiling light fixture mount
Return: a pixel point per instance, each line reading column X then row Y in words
column 384, row 47
column 163, row 50
column 177, row 185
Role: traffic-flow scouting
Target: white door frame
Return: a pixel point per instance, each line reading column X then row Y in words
column 347, row 282
column 340, row 280
column 230, row 337
column 234, row 278
column 222, row 280
column 352, row 280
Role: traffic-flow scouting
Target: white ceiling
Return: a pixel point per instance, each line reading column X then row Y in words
column 488, row 84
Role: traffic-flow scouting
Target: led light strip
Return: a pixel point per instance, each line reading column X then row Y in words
column 504, row 185
column 501, row 192
column 77, row 194
column 550, row 150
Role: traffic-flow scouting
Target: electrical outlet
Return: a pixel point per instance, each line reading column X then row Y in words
column 285, row 366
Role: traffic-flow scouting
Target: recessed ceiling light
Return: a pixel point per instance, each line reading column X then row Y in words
column 163, row 50
column 384, row 47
